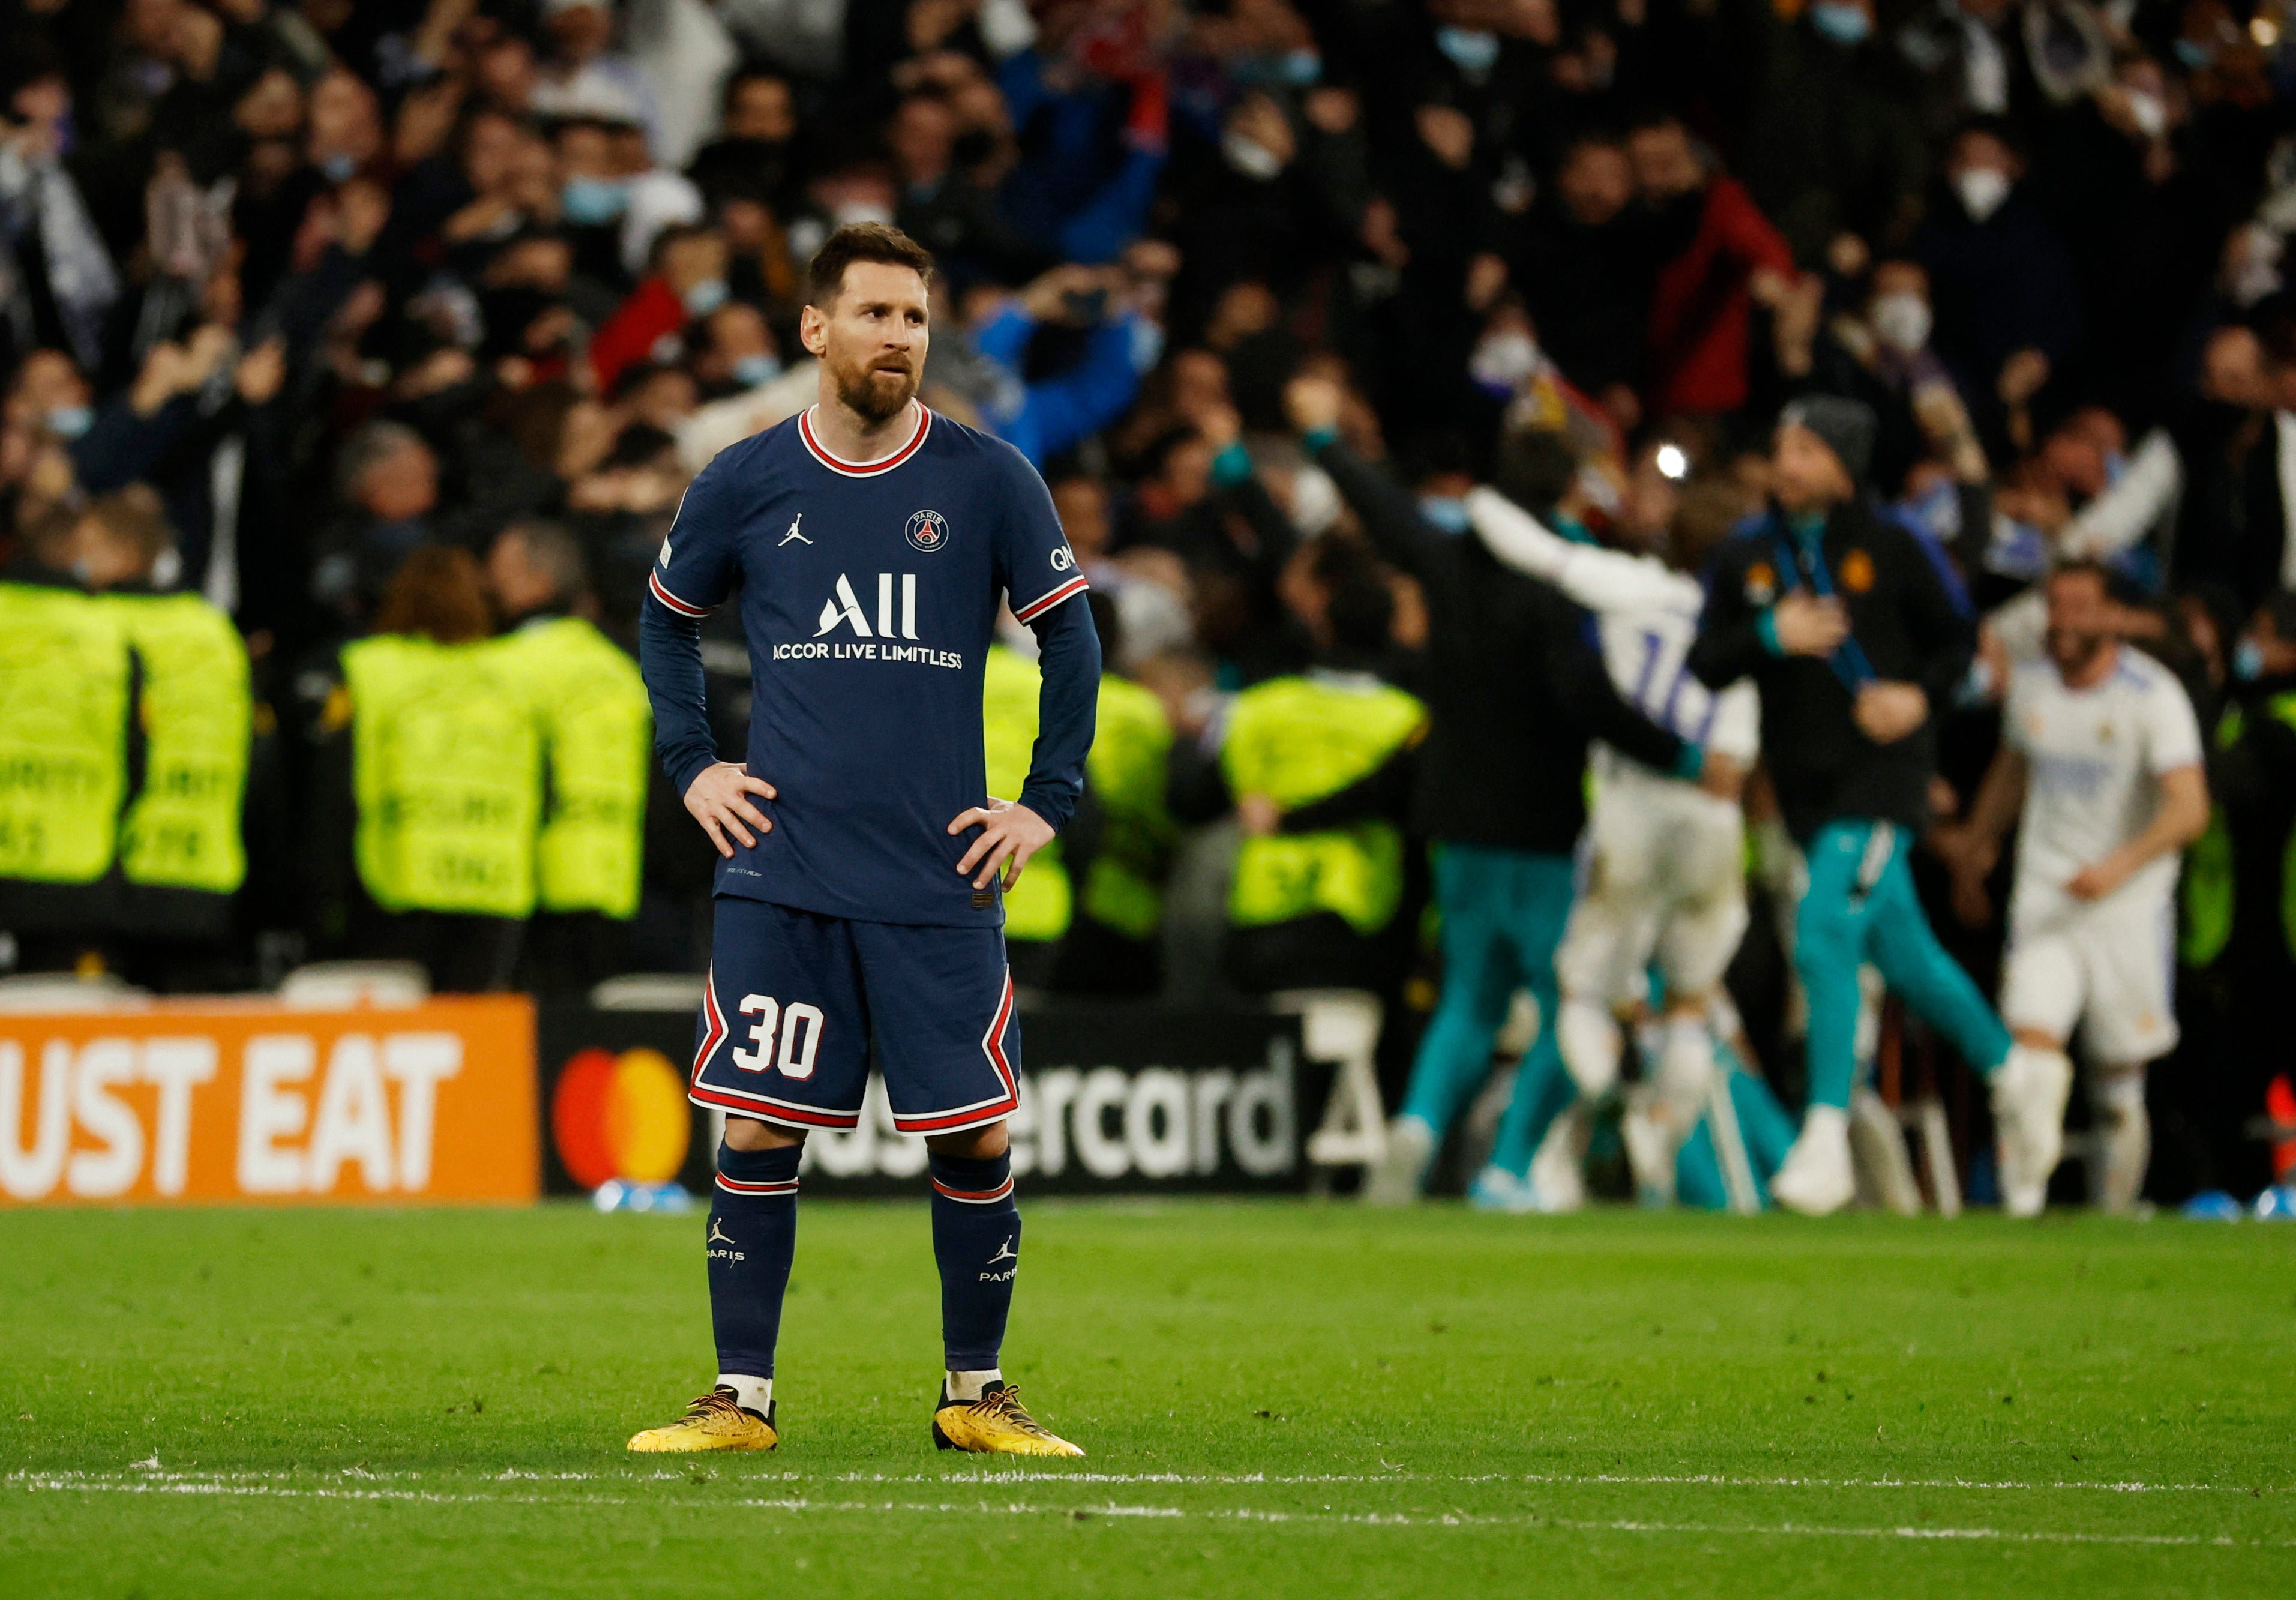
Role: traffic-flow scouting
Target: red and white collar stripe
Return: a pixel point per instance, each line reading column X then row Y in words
column 864, row 469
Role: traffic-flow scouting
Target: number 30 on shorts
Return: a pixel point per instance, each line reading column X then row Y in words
column 801, row 1037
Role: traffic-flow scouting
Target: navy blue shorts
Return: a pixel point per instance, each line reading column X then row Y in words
column 795, row 999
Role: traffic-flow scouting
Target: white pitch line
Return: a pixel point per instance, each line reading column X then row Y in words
column 1528, row 1522
column 156, row 1475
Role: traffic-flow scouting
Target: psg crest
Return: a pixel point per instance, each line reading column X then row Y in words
column 928, row 530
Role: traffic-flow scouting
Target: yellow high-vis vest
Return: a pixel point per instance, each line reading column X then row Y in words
column 64, row 734
column 1302, row 739
column 597, row 732
column 447, row 766
column 1037, row 908
column 1131, row 750
column 183, row 829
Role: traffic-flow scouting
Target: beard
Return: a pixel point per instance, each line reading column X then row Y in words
column 875, row 392
column 2073, row 652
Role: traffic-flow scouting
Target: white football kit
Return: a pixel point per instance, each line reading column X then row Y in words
column 1666, row 865
column 2093, row 759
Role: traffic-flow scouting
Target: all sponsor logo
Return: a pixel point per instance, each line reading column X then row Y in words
column 846, row 630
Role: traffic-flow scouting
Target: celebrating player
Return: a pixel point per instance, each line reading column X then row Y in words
column 860, row 900
column 1666, row 876
column 2100, row 747
column 1852, row 635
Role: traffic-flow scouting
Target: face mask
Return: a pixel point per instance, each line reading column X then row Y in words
column 69, row 422
column 1469, row 49
column 704, row 296
column 338, row 168
column 750, row 371
column 1843, row 24
column 2247, row 661
column 1901, row 320
column 1445, row 512
column 1252, row 160
column 2149, row 112
column 589, row 201
column 1982, row 189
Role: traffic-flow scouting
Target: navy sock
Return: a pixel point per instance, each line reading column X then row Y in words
column 753, row 1237
column 977, row 1241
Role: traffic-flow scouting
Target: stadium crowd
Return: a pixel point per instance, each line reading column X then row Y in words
column 355, row 358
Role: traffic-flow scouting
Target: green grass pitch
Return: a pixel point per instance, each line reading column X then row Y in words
column 1279, row 1398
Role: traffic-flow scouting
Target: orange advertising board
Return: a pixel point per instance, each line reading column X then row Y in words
column 253, row 1101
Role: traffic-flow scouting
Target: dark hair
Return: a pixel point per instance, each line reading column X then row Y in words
column 1535, row 468
column 861, row 242
column 437, row 593
column 553, row 547
column 1361, row 607
column 135, row 515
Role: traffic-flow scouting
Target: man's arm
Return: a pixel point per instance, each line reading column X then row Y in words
column 1386, row 509
column 1067, row 707
column 717, row 792
column 1580, row 682
column 2000, row 796
column 2181, row 817
column 1384, row 791
column 695, row 571
column 1938, row 613
column 1598, row 578
column 669, row 659
column 1067, row 704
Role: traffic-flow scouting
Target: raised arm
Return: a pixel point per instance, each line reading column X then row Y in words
column 1594, row 577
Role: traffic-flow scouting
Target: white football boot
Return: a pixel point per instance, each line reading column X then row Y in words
column 1397, row 1177
column 1558, row 1171
column 1816, row 1178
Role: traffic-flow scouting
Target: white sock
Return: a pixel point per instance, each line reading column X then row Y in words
column 1587, row 1035
column 2118, row 1099
column 968, row 1385
column 1829, row 1123
column 751, row 1394
column 1685, row 1070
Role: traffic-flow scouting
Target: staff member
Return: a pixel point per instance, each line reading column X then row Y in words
column 1852, row 633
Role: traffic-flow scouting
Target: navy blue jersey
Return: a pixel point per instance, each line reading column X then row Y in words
column 868, row 596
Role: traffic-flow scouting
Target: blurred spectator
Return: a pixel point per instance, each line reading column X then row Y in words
column 345, row 292
column 2007, row 311
column 1718, row 255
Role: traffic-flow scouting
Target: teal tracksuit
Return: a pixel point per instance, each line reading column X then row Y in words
column 1856, row 805
column 1861, row 906
column 1503, row 912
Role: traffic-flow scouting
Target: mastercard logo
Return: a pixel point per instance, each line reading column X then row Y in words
column 620, row 1116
